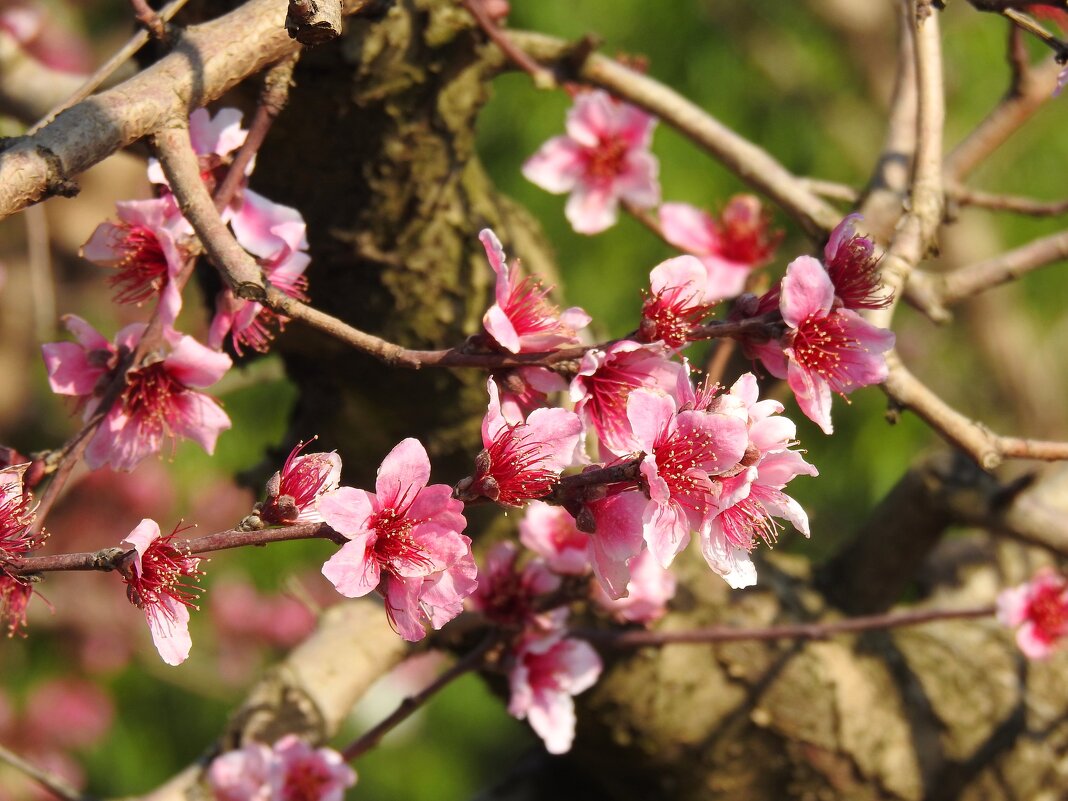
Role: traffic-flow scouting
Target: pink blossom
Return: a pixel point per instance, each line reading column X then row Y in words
column 648, row 591
column 826, row 348
column 522, row 459
column 749, row 501
column 729, row 248
column 405, row 540
column 680, row 297
column 616, row 538
column 156, row 583
column 603, row 159
column 68, row 713
column 214, row 139
column 605, row 380
column 522, row 320
column 853, row 267
column 37, row 32
column 143, row 248
column 551, row 533
column 275, row 234
column 244, row 774
column 507, row 594
column 158, row 402
column 1038, row 610
column 293, row 493
column 683, row 450
column 303, row 773
column 547, row 672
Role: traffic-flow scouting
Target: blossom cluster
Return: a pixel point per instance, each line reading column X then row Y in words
column 290, row 770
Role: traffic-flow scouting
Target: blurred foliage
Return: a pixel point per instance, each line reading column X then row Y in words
column 807, row 81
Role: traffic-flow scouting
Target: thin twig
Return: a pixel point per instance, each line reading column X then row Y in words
column 1021, row 20
column 542, row 77
column 107, row 69
column 273, row 98
column 370, row 738
column 149, row 19
column 54, row 784
column 790, row 631
column 1016, row 204
column 964, row 282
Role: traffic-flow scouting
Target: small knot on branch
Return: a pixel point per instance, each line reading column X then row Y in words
column 313, row 22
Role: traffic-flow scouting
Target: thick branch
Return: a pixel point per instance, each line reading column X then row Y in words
column 208, row 60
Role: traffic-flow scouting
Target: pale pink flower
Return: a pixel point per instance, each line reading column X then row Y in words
column 405, row 537
column 276, row 236
column 303, row 773
column 551, row 533
column 213, row 139
column 683, row 451
column 603, row 159
column 749, row 501
column 649, row 590
column 293, row 493
column 617, row 537
column 156, row 582
column 679, row 298
column 243, row 774
column 143, row 248
column 83, row 368
column 730, row 248
column 853, row 267
column 523, row 320
column 508, row 595
column 546, row 673
column 605, row 380
column 521, row 460
column 1038, row 610
column 826, row 348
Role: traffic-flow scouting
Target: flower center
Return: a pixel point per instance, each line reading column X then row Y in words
column 821, row 345
column 142, row 271
column 671, row 314
column 516, row 464
column 530, row 312
column 15, row 518
column 149, row 399
column 1049, row 611
column 163, row 568
column 305, row 781
column 395, row 547
column 605, row 162
column 747, row 520
column 682, row 459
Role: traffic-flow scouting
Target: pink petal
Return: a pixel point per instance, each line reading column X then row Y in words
column 559, row 431
column 264, row 228
column 404, row 471
column 806, row 290
column 688, row 228
column 592, row 209
column 592, row 118
column 220, row 135
column 813, row 395
column 69, row 370
column 637, row 183
column 650, row 413
column 353, row 571
column 87, row 336
column 200, row 418
column 347, row 510
column 557, row 166
column 196, row 365
column 617, row 540
column 170, row 630
column 146, row 532
column 666, row 530
column 681, row 271
column 501, row 329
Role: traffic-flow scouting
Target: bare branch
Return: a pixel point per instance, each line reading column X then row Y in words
column 1016, row 204
column 964, row 282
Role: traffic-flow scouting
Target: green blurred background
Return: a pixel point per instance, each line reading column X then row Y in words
column 809, row 82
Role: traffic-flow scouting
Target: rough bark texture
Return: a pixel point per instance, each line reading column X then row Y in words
column 376, row 149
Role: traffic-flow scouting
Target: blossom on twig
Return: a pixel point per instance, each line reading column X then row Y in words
column 293, row 492
column 1038, row 610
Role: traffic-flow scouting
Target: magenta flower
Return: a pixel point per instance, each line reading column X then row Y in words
column 826, row 348
column 547, row 672
column 156, row 584
column 293, row 493
column 854, row 268
column 524, row 389
column 159, row 401
column 521, row 460
column 550, row 532
column 649, row 590
column 143, row 248
column 1038, row 610
column 275, row 234
column 683, row 450
column 605, row 380
column 603, row 159
column 522, row 320
column 405, row 541
column 617, row 538
column 729, row 248
column 680, row 297
column 508, row 595
column 303, row 773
